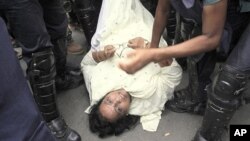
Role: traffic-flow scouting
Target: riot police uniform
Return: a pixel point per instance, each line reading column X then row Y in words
column 40, row 26
column 229, row 83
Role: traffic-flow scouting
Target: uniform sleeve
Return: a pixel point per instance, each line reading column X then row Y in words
column 209, row 2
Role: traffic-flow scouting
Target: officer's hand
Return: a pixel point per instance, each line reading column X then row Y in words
column 135, row 60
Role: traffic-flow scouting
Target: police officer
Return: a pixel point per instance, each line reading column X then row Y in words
column 18, row 109
column 40, row 26
column 216, row 26
column 87, row 12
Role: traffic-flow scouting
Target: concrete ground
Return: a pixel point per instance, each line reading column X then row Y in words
column 172, row 127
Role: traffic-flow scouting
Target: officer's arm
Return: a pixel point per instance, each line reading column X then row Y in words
column 160, row 21
column 213, row 19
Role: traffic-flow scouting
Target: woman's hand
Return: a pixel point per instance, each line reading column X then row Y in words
column 109, row 51
column 105, row 54
column 138, row 42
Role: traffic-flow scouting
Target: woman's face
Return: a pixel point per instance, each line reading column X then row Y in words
column 115, row 105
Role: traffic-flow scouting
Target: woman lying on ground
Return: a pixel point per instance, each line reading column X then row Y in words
column 118, row 99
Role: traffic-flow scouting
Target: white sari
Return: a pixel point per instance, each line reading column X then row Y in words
column 150, row 87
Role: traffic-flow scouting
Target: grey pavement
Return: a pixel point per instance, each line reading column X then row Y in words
column 172, row 127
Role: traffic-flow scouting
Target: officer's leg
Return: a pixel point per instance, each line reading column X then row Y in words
column 225, row 91
column 68, row 6
column 193, row 98
column 72, row 46
column 26, row 22
column 173, row 33
column 20, row 118
column 222, row 103
column 150, row 5
column 172, row 27
column 27, row 25
column 42, row 78
column 66, row 77
column 56, row 23
column 87, row 12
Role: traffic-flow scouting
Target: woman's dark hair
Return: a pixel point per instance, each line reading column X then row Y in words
column 104, row 128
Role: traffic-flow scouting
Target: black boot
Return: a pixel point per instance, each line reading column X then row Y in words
column 193, row 98
column 223, row 101
column 87, row 12
column 186, row 100
column 41, row 73
column 65, row 78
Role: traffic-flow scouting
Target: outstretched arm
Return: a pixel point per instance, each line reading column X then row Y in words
column 213, row 19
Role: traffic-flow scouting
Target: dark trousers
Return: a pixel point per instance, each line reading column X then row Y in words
column 239, row 57
column 20, row 119
column 35, row 22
